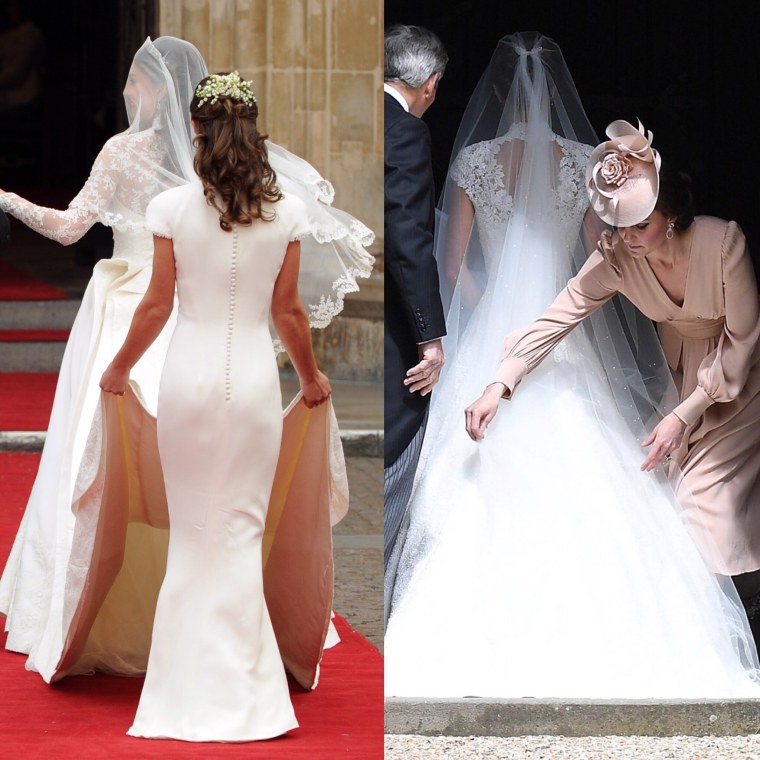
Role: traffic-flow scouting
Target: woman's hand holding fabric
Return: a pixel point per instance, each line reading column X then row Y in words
column 479, row 414
column 114, row 380
column 316, row 390
column 664, row 440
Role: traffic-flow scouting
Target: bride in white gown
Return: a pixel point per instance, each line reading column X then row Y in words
column 541, row 562
column 53, row 560
column 153, row 154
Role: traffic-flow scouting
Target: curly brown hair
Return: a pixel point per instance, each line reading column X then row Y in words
column 232, row 162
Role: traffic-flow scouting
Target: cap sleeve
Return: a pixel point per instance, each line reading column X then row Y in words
column 297, row 218
column 157, row 215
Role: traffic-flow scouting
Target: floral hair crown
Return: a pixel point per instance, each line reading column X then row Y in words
column 225, row 86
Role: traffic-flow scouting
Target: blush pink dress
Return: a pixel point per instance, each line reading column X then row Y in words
column 711, row 345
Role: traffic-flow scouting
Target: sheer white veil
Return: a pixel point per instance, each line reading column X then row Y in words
column 334, row 255
column 525, row 121
column 154, row 153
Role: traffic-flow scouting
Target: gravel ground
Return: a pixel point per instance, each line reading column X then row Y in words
column 399, row 747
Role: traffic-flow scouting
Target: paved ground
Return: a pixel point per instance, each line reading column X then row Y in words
column 358, row 548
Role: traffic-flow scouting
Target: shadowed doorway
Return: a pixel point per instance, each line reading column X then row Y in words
column 47, row 146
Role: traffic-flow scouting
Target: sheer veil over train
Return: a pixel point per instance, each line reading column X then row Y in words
column 541, row 562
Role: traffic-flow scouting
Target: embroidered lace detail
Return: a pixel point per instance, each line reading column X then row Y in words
column 351, row 260
column 321, row 313
column 328, row 229
column 570, row 195
column 122, row 181
column 322, row 190
column 560, row 354
column 477, row 171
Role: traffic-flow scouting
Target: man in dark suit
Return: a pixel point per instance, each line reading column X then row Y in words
column 415, row 60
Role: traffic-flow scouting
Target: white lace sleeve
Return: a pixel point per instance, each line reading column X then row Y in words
column 468, row 169
column 68, row 226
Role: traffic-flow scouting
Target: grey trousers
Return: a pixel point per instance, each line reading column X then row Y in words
column 398, row 482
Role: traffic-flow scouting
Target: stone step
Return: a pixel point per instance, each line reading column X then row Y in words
column 358, row 409
column 60, row 314
column 31, row 356
column 350, row 349
column 565, row 717
column 38, row 315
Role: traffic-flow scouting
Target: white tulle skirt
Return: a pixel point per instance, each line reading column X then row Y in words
column 542, row 562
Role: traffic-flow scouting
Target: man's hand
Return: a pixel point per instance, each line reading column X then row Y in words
column 424, row 375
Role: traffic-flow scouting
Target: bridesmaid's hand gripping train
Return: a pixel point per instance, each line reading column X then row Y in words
column 479, row 414
column 664, row 439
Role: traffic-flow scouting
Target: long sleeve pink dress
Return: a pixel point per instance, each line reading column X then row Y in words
column 711, row 345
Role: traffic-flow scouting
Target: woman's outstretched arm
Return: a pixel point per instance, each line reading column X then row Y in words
column 292, row 325
column 69, row 225
column 595, row 284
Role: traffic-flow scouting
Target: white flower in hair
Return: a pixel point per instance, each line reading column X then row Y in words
column 225, row 86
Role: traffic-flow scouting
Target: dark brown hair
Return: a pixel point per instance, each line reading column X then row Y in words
column 231, row 160
column 675, row 197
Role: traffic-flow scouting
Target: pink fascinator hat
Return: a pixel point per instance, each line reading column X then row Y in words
column 623, row 175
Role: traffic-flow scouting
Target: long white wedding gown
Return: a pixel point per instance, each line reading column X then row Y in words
column 541, row 562
column 32, row 588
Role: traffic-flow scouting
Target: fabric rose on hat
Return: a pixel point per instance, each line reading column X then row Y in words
column 615, row 168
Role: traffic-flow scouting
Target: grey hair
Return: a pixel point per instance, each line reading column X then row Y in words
column 412, row 55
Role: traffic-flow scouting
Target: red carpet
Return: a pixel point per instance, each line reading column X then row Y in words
column 18, row 286
column 87, row 716
column 26, row 399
